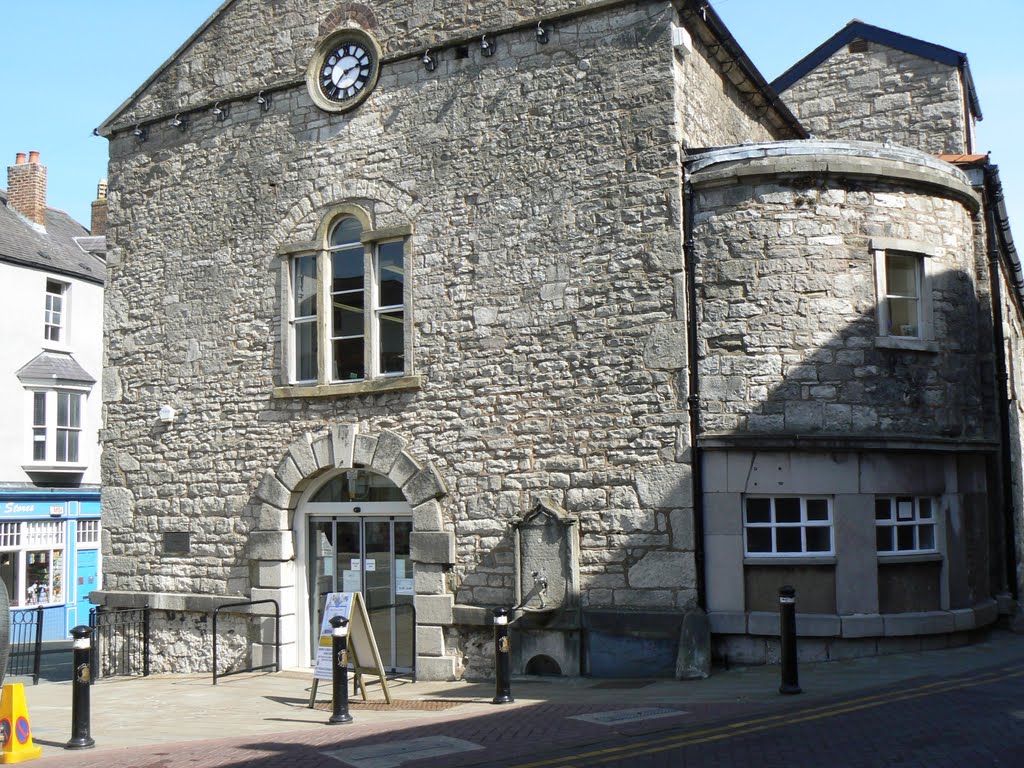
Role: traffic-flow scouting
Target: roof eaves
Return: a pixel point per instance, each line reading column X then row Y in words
column 717, row 27
column 105, row 128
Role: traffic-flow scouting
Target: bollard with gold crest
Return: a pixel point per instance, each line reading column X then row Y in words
column 339, row 677
column 81, row 645
column 502, row 658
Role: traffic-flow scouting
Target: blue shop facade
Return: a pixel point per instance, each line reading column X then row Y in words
column 50, row 555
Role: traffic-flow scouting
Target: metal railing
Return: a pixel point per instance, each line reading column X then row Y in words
column 26, row 642
column 120, row 641
column 277, row 637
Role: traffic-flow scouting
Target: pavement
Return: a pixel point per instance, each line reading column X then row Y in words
column 165, row 721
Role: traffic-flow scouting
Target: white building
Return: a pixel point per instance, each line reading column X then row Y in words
column 51, row 291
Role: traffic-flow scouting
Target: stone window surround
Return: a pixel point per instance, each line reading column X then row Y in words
column 879, row 247
column 319, row 247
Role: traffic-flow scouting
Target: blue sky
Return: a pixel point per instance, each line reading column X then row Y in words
column 67, row 64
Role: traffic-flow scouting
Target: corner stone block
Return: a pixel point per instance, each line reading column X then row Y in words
column 288, row 474
column 428, row 579
column 270, row 518
column 437, row 610
column 666, row 487
column 275, row 574
column 322, row 453
column 271, row 545
column 301, row 452
column 424, row 486
column 343, row 440
column 663, row 570
column 666, row 349
column 273, row 492
column 405, row 467
column 389, row 447
column 363, row 450
column 427, row 517
column 118, row 506
column 435, row 668
column 285, row 601
column 430, row 641
column 432, row 547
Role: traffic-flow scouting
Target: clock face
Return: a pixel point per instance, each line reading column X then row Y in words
column 346, row 71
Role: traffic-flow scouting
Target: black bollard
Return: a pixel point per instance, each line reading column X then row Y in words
column 339, row 677
column 81, row 645
column 502, row 658
column 787, row 631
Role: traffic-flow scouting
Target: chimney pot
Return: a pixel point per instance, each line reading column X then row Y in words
column 33, row 156
column 19, row 159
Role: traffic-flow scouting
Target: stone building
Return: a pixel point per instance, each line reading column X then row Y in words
column 51, row 290
column 556, row 308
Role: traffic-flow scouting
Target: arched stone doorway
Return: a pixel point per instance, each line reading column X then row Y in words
column 280, row 545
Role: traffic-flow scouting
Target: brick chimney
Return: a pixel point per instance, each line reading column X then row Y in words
column 26, row 188
column 98, row 225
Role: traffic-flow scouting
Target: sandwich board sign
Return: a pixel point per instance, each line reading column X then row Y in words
column 363, row 655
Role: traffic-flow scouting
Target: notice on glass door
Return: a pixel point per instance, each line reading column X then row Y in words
column 350, row 581
column 371, row 564
column 404, row 587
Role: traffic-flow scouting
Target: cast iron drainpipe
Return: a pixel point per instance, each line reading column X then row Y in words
column 992, row 191
column 693, row 400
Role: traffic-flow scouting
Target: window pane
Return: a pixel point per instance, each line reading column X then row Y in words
column 304, row 288
column 62, row 409
column 348, row 359
column 346, row 232
column 759, row 539
column 759, row 510
column 38, row 445
column 905, row 537
column 75, row 417
column 39, row 409
column 883, row 509
column 391, row 274
column 924, row 508
column 904, row 508
column 787, row 510
column 817, row 509
column 347, row 270
column 392, row 342
column 788, row 540
column 903, row 317
column 306, row 351
column 926, row 536
column 883, row 537
column 348, row 314
column 819, row 539
column 901, row 275
column 72, row 447
column 62, row 445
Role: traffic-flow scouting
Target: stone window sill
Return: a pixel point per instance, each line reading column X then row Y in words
column 909, row 557
column 791, row 560
column 903, row 343
column 371, row 387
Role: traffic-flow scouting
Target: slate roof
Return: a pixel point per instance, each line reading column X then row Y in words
column 54, row 250
column 59, row 367
column 858, row 30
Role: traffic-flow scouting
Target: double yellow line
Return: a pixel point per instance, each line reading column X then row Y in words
column 730, row 730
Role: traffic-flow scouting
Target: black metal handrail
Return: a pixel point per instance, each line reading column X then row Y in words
column 118, row 634
column 277, row 637
column 26, row 640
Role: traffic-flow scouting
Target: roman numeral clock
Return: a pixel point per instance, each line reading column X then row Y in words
column 343, row 70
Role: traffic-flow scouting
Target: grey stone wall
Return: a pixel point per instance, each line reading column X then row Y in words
column 883, row 95
column 543, row 188
column 788, row 325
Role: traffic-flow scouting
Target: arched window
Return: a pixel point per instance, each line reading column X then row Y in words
column 348, row 319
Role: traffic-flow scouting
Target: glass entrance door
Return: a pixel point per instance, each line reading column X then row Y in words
column 368, row 555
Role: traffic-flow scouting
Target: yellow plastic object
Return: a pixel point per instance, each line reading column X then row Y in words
column 14, row 726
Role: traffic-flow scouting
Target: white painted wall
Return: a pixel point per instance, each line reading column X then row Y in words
column 22, row 305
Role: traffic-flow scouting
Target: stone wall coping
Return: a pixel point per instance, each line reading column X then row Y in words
column 834, row 442
column 857, row 626
column 745, row 162
column 163, row 601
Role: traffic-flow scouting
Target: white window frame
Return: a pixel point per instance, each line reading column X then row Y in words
column 374, row 315
column 55, row 313
column 20, row 541
column 49, row 432
column 923, row 255
column 905, row 512
column 87, row 533
column 773, row 525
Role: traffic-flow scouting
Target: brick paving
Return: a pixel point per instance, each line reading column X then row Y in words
column 956, row 707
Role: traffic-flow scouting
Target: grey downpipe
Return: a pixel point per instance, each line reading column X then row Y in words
column 693, row 385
